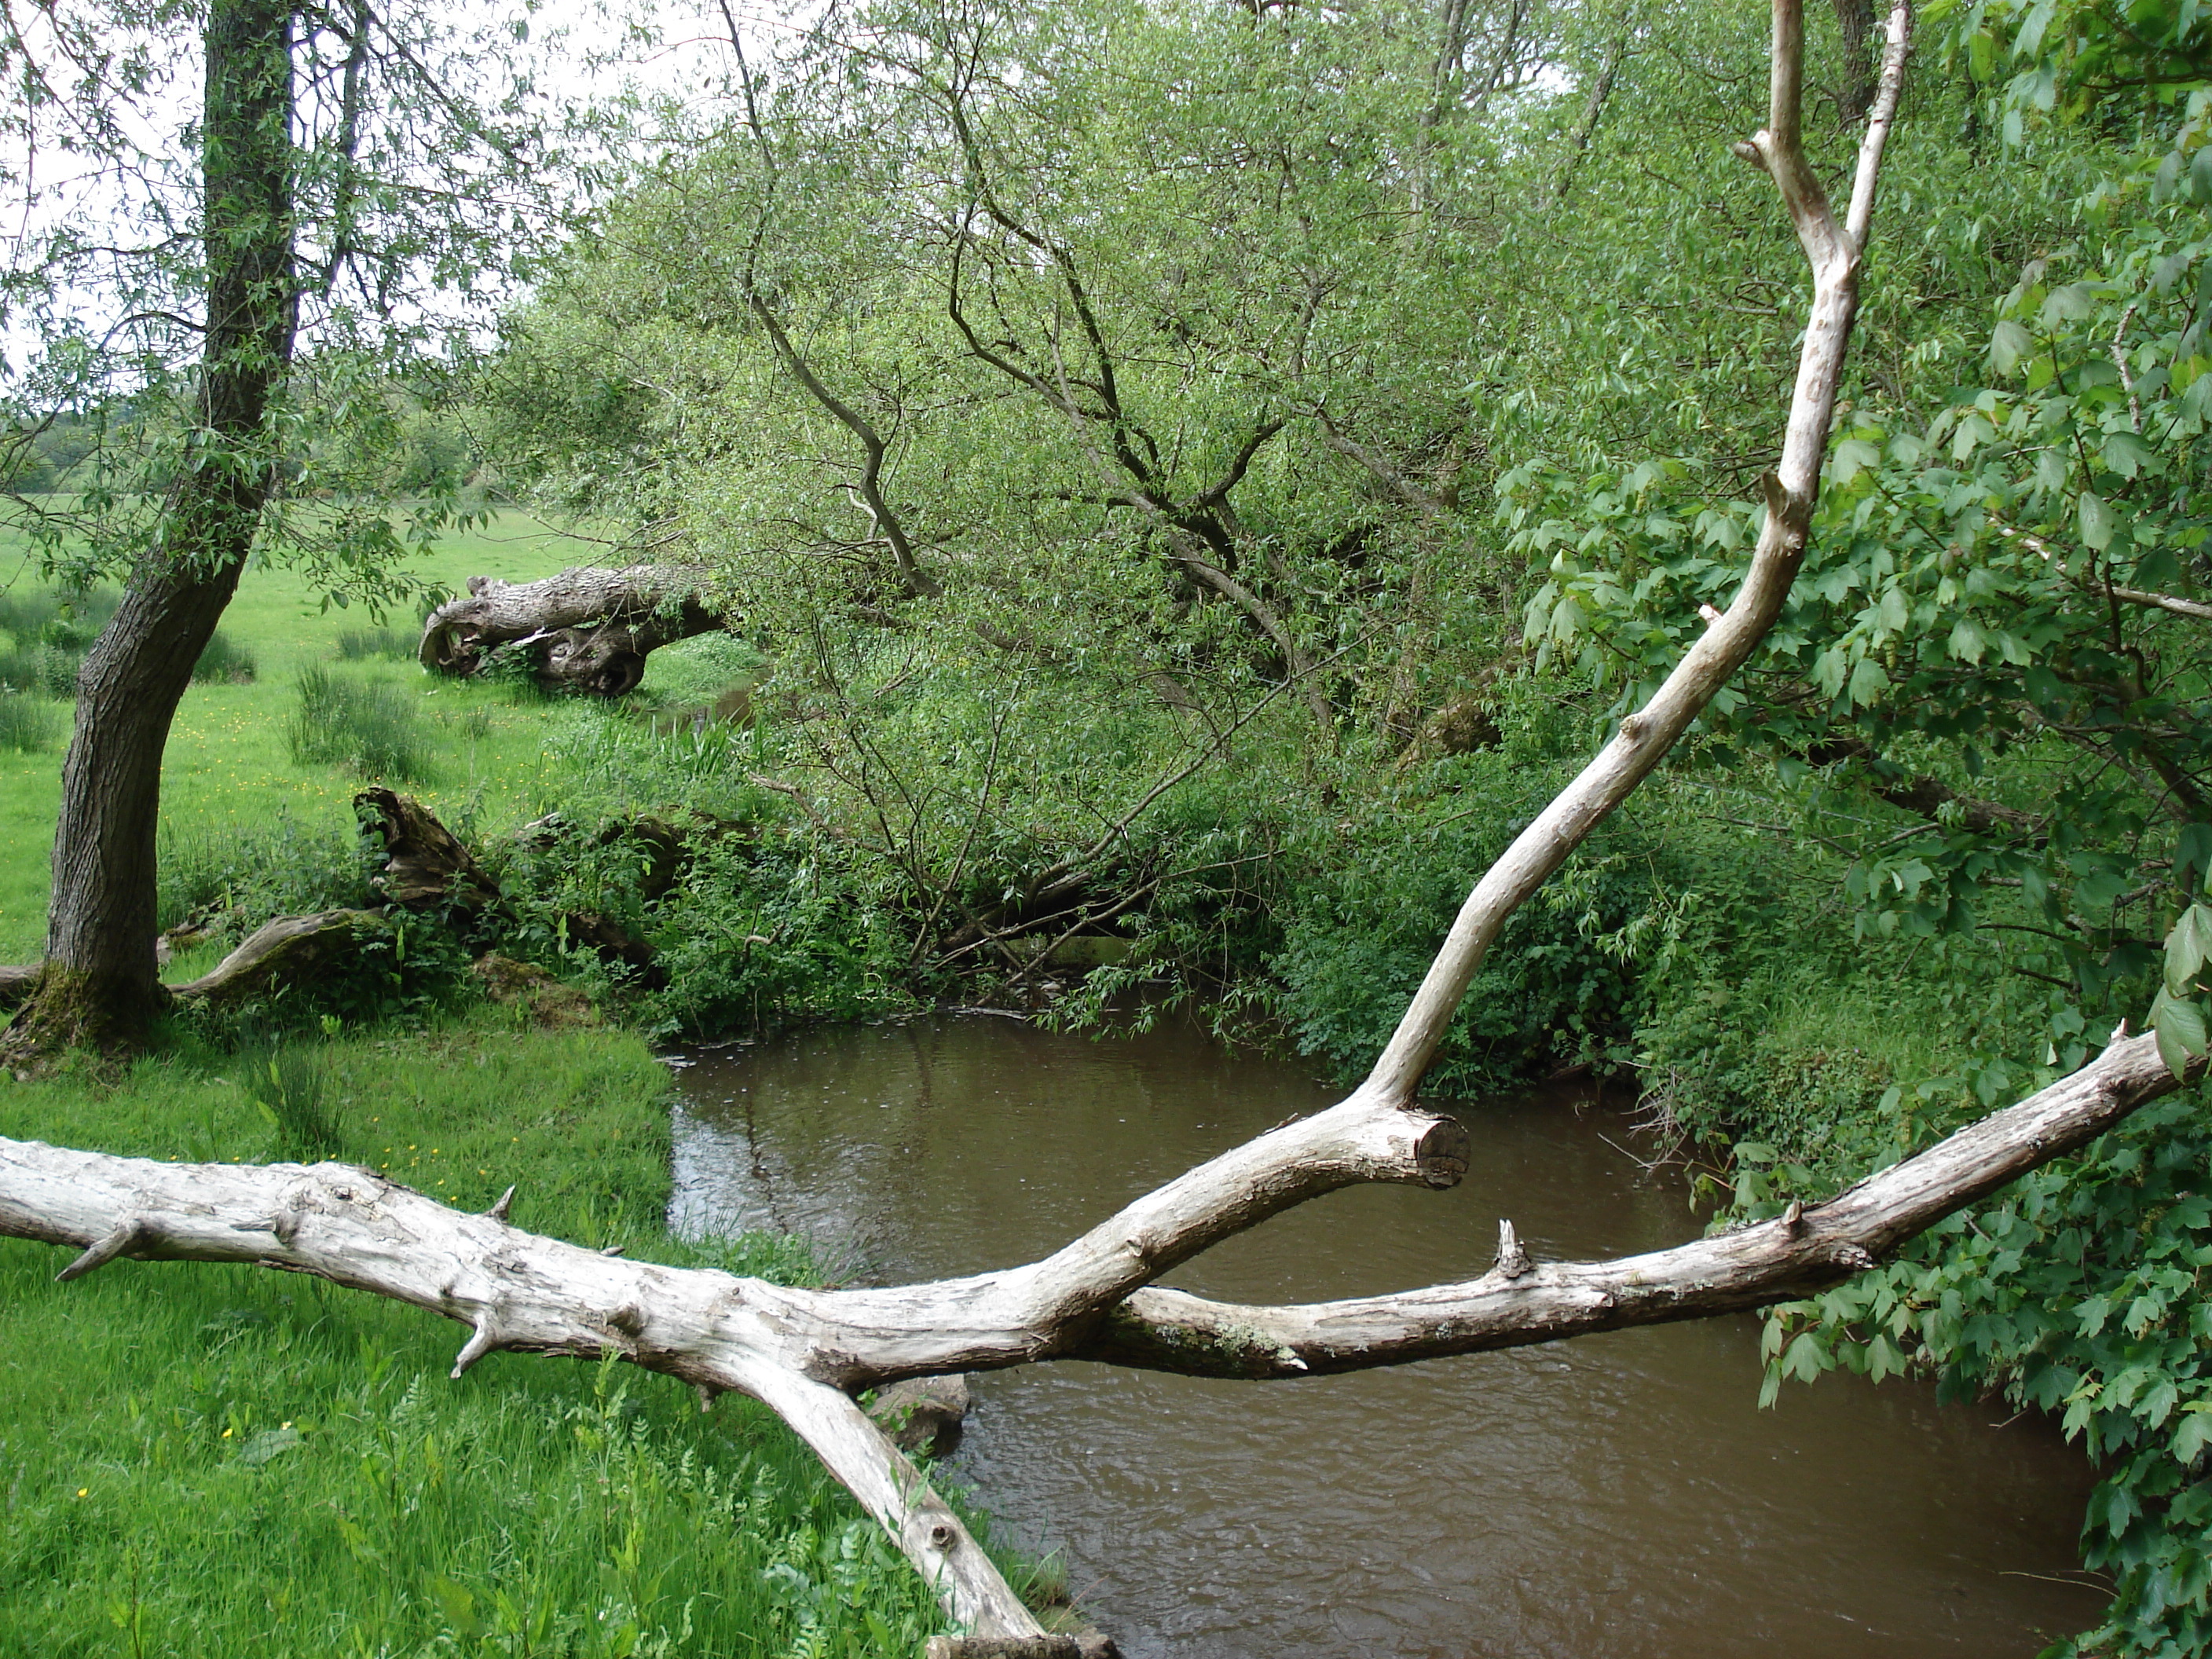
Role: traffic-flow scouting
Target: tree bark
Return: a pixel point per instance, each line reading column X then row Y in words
column 596, row 626
column 1855, row 18
column 102, row 985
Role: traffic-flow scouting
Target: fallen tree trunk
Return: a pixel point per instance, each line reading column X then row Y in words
column 806, row 1353
column 286, row 951
column 590, row 628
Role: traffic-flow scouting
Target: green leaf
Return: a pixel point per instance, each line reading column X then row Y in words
column 2096, row 521
column 2179, row 1023
column 2196, row 1428
column 268, row 1444
column 458, row 1606
column 2009, row 343
column 2188, row 946
column 1968, row 643
column 2127, row 454
column 1850, row 459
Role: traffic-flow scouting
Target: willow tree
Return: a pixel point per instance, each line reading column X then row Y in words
column 229, row 309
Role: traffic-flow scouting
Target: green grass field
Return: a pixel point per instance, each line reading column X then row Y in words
column 227, row 766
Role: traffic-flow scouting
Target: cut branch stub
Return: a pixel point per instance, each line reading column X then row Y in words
column 596, row 627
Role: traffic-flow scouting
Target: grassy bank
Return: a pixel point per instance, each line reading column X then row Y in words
column 211, row 1461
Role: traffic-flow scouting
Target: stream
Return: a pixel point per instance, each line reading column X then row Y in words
column 1619, row 1497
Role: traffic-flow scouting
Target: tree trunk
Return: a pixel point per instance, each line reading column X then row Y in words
column 102, row 985
column 596, row 626
column 1856, row 20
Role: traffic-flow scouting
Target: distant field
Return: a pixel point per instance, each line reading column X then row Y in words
column 228, row 762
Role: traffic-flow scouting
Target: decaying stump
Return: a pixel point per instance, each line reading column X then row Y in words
column 424, row 863
column 591, row 628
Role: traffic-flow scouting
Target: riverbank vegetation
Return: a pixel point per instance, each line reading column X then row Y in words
column 1180, row 540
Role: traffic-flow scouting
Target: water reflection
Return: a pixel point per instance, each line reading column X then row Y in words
column 1620, row 1494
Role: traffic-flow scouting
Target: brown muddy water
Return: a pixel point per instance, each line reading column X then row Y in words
column 1620, row 1497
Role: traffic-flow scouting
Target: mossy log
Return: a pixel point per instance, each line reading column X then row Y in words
column 287, row 951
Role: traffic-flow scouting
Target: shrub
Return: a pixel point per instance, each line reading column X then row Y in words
column 47, row 670
column 224, row 661
column 71, row 620
column 371, row 729
column 27, row 725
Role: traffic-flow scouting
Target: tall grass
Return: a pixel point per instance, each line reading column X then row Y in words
column 27, row 726
column 48, row 671
column 205, row 1461
column 362, row 644
column 71, row 619
column 372, row 729
column 236, row 878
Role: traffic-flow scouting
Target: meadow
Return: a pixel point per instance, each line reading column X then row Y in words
column 207, row 1461
column 480, row 752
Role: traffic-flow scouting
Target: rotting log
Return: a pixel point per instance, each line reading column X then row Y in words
column 287, row 951
column 806, row 1353
column 17, row 984
column 591, row 628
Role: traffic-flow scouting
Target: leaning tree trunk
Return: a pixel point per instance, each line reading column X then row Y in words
column 806, row 1353
column 100, row 983
column 592, row 628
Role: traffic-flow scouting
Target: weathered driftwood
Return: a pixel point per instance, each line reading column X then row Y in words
column 593, row 627
column 806, row 1353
